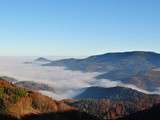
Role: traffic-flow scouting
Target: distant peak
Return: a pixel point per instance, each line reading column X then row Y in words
column 42, row 59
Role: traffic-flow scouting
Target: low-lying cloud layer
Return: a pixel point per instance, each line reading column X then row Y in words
column 65, row 82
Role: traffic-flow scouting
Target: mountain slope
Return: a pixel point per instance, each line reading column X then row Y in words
column 106, row 109
column 17, row 101
column 149, row 114
column 111, row 61
column 112, row 103
column 113, row 93
column 34, row 86
column 69, row 115
column 150, row 80
column 118, row 67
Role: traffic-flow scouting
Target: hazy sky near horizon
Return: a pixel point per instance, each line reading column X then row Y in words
column 78, row 27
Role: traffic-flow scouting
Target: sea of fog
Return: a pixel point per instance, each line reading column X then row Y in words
column 66, row 83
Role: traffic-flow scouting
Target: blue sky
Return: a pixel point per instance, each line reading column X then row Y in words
column 78, row 27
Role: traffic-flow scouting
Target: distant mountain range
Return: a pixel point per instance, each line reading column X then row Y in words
column 42, row 59
column 138, row 67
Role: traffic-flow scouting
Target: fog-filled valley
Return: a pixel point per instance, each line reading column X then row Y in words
column 65, row 83
column 31, row 87
column 79, row 60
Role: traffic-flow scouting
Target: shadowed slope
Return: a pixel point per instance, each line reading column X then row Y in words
column 149, row 114
column 70, row 115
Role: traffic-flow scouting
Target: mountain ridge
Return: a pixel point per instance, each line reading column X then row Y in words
column 122, row 66
column 117, row 93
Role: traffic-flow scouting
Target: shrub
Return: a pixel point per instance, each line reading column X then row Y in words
column 1, row 92
column 18, row 93
column 14, row 93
